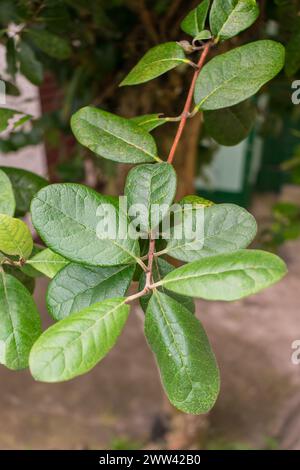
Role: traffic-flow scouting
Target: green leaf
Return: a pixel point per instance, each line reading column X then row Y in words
column 196, row 201
column 203, row 35
column 11, row 88
column 21, row 121
column 156, row 61
column 227, row 228
column 11, row 58
column 229, row 17
column 194, row 23
column 160, row 269
column 149, row 122
column 53, row 45
column 25, row 185
column 77, row 287
column 7, row 198
column 238, row 74
column 147, row 185
column 230, row 126
column 292, row 64
column 76, row 344
column 188, row 367
column 30, row 270
column 20, row 324
column 286, row 211
column 47, row 262
column 113, row 137
column 5, row 115
column 15, row 237
column 67, row 217
column 18, row 273
column 229, row 276
column 30, row 66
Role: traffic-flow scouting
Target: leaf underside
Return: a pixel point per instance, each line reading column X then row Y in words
column 230, row 126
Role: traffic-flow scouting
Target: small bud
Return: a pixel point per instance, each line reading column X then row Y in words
column 186, row 46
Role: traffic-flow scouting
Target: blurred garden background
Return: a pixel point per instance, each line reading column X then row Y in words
column 57, row 56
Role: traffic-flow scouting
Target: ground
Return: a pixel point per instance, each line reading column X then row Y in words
column 259, row 403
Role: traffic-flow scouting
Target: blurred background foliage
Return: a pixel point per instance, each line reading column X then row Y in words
column 77, row 53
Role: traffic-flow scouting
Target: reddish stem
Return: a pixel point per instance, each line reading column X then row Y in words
column 148, row 274
column 150, row 263
column 188, row 103
column 185, row 114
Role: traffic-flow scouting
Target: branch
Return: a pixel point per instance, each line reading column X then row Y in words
column 183, row 119
column 20, row 263
column 186, row 111
column 149, row 280
column 150, row 263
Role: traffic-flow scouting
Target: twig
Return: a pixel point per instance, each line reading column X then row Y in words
column 142, row 265
column 20, row 263
column 150, row 262
column 183, row 118
column 188, row 103
column 149, row 280
column 136, row 296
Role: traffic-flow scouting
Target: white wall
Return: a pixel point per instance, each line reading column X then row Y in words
column 31, row 158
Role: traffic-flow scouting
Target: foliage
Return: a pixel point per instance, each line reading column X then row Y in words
column 93, row 270
column 285, row 215
column 85, row 46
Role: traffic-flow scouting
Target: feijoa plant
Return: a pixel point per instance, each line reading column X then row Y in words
column 91, row 273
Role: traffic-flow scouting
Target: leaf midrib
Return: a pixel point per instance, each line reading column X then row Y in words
column 173, row 59
column 227, row 20
column 91, row 288
column 131, row 144
column 61, row 349
column 178, row 247
column 10, row 319
column 89, row 229
column 224, row 83
column 234, row 270
column 44, row 261
column 176, row 345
